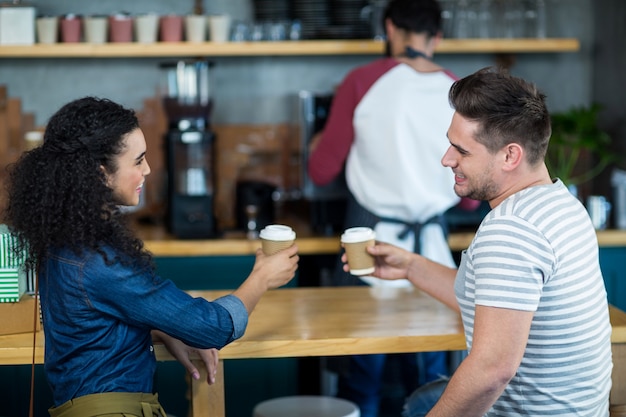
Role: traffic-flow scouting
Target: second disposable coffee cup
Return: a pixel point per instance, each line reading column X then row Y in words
column 355, row 241
column 276, row 237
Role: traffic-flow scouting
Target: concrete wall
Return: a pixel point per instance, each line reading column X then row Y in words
column 260, row 89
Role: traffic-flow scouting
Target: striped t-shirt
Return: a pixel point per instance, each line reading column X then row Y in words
column 537, row 251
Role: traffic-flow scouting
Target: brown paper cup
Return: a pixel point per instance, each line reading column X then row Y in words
column 276, row 237
column 271, row 247
column 359, row 261
column 355, row 241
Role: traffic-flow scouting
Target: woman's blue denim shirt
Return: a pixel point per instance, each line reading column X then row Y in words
column 97, row 320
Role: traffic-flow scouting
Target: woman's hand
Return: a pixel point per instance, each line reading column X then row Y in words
column 276, row 270
column 183, row 354
column 268, row 273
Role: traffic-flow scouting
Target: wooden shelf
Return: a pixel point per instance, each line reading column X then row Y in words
column 313, row 47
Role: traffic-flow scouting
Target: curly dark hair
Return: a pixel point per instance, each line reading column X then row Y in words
column 57, row 193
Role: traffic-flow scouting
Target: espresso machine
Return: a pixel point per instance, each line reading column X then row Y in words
column 189, row 150
column 327, row 203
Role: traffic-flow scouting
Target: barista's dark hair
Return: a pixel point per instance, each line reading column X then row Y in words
column 58, row 195
column 508, row 110
column 416, row 16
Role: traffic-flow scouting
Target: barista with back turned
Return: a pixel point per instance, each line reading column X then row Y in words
column 387, row 125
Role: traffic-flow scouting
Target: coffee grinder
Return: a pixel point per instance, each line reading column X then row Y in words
column 189, row 149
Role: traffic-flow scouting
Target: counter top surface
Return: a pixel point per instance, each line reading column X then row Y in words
column 314, row 321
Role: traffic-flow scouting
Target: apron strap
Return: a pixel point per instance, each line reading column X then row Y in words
column 357, row 215
column 416, row 228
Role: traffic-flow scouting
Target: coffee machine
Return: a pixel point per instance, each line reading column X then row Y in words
column 327, row 203
column 190, row 150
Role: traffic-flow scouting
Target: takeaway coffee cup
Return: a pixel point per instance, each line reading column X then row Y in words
column 276, row 237
column 355, row 241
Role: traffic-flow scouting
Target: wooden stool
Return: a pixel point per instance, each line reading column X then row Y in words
column 306, row 406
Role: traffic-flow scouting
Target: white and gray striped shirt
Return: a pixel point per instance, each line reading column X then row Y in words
column 537, row 251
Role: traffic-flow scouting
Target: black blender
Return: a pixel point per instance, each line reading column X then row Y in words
column 189, row 144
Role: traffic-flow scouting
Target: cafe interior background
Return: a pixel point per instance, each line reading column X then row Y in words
column 254, row 113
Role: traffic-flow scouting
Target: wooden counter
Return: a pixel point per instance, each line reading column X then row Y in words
column 305, row 322
column 160, row 243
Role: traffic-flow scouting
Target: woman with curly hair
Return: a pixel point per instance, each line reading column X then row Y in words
column 102, row 302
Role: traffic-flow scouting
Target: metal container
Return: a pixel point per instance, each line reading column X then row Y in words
column 188, row 90
column 327, row 203
column 618, row 181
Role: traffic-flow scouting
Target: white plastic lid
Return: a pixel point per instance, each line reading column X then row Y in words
column 277, row 232
column 357, row 234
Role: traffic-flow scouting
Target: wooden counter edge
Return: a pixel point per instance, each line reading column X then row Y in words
column 10, row 354
column 312, row 245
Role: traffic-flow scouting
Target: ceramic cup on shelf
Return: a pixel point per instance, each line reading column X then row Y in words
column 71, row 28
column 147, row 28
column 120, row 28
column 219, row 28
column 47, row 29
column 195, row 28
column 96, row 29
column 171, row 28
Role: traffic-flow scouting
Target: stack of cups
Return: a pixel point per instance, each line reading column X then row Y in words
column 276, row 237
column 355, row 241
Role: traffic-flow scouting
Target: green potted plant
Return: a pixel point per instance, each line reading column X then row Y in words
column 579, row 150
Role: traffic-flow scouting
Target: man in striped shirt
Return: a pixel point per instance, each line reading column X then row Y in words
column 529, row 287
